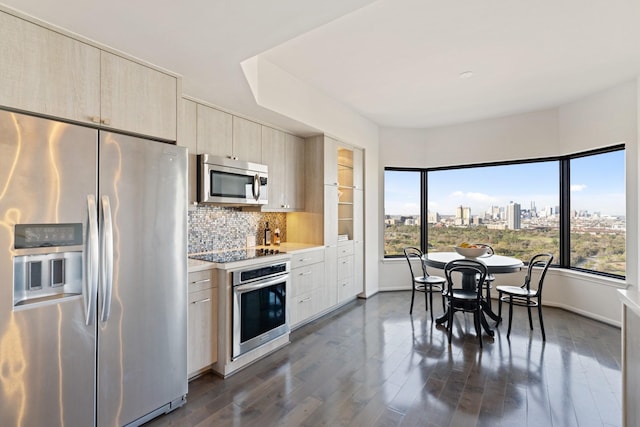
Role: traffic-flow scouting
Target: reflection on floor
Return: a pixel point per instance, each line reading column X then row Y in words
column 372, row 364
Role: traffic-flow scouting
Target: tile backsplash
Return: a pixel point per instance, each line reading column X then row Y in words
column 213, row 228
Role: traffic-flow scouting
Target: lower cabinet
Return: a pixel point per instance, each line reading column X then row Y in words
column 346, row 281
column 308, row 295
column 202, row 337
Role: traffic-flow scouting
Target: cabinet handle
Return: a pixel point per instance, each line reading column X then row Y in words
column 306, row 273
column 202, row 300
column 304, row 300
column 106, row 122
column 95, row 119
column 201, row 281
column 304, row 259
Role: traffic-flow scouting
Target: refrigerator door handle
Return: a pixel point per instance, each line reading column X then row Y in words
column 106, row 270
column 90, row 258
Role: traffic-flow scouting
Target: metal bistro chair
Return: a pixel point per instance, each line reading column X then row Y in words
column 461, row 298
column 523, row 295
column 425, row 283
column 487, row 285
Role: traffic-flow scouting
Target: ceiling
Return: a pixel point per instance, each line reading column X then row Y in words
column 395, row 62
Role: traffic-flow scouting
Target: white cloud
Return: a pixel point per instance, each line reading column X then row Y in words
column 578, row 187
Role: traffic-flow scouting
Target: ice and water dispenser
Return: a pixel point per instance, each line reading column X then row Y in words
column 47, row 264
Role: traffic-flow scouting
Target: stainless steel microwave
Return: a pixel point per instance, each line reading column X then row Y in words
column 228, row 181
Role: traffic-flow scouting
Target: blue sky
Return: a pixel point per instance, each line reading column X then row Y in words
column 597, row 185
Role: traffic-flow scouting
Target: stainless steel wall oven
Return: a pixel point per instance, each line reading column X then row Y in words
column 260, row 312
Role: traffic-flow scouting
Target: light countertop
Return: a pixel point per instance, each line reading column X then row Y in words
column 287, row 248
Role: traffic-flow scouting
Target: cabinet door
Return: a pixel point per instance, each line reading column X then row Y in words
column 358, row 169
column 247, row 140
column 202, row 337
column 330, row 215
column 137, row 98
column 331, row 275
column 358, row 216
column 330, row 161
column 294, row 175
column 213, row 131
column 187, row 138
column 358, row 268
column 273, row 155
column 47, row 73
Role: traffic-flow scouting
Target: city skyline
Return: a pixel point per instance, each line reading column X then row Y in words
column 481, row 188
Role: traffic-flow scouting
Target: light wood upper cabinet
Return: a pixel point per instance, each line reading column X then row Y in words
column 214, row 131
column 284, row 154
column 247, row 140
column 46, row 72
column 187, row 138
column 295, row 171
column 358, row 169
column 330, row 161
column 273, row 155
column 223, row 134
column 138, row 98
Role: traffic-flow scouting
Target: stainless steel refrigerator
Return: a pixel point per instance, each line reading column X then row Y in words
column 93, row 275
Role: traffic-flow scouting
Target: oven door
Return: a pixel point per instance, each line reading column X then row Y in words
column 259, row 313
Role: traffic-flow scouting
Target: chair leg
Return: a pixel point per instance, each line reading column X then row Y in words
column 476, row 321
column 442, row 297
column 430, row 301
column 529, row 312
column 500, row 307
column 413, row 295
column 450, row 321
column 544, row 337
column 489, row 297
column 510, row 315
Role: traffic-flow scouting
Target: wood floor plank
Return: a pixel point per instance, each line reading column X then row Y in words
column 370, row 363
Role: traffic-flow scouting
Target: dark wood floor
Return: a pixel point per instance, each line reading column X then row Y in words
column 372, row 364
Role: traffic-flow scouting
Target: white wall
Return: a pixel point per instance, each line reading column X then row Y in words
column 602, row 119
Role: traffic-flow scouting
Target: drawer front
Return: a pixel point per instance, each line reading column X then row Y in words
column 345, row 289
column 305, row 306
column 345, row 267
column 201, row 280
column 306, row 258
column 345, row 249
column 305, row 279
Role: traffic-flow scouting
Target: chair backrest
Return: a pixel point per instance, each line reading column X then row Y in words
column 411, row 253
column 542, row 261
column 473, row 270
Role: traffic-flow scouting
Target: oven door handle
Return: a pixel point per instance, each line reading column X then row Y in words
column 260, row 285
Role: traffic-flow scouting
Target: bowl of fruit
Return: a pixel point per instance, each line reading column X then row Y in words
column 468, row 250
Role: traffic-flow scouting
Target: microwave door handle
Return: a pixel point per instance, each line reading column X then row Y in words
column 256, row 187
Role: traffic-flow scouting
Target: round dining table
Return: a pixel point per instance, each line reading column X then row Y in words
column 496, row 264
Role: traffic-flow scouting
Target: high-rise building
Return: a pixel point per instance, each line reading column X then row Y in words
column 513, row 216
column 463, row 215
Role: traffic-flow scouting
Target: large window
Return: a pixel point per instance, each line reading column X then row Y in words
column 597, row 213
column 572, row 207
column 514, row 208
column 402, row 211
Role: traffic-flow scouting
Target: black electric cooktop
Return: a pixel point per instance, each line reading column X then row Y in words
column 236, row 255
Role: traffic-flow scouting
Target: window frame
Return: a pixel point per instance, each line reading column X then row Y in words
column 564, row 192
